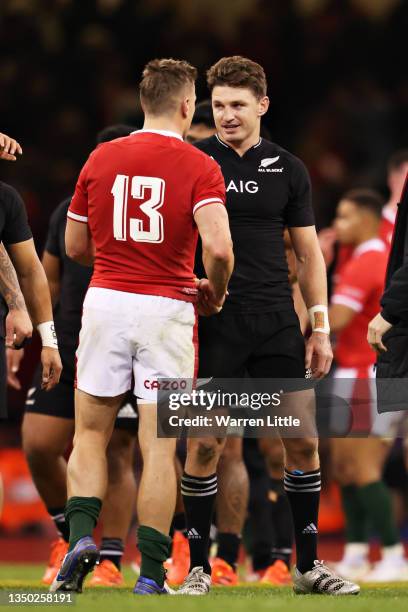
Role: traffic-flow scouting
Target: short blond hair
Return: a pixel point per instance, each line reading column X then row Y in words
column 163, row 80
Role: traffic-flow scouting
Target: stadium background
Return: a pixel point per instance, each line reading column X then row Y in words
column 68, row 68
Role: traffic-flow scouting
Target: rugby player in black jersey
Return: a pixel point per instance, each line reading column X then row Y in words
column 48, row 424
column 257, row 330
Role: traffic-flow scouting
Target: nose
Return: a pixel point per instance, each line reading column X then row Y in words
column 229, row 115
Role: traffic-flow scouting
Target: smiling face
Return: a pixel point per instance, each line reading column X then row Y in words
column 237, row 114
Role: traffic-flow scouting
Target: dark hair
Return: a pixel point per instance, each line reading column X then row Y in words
column 114, row 131
column 397, row 159
column 238, row 71
column 162, row 82
column 366, row 198
column 204, row 114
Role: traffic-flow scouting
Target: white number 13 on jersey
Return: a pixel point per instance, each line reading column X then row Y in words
column 120, row 192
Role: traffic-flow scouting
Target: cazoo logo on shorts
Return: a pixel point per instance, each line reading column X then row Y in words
column 165, row 385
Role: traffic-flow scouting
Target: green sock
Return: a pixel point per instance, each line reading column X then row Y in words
column 155, row 549
column 356, row 516
column 82, row 514
column 376, row 499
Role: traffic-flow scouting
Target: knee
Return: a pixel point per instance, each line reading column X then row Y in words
column 39, row 452
column 344, row 471
column 301, row 452
column 208, row 451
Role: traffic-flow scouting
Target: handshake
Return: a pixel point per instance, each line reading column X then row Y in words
column 208, row 302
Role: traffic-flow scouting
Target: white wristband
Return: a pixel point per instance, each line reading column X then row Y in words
column 47, row 333
column 319, row 318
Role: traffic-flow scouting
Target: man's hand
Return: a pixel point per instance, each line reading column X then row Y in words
column 52, row 368
column 18, row 328
column 319, row 354
column 376, row 329
column 8, row 148
column 207, row 303
column 13, row 360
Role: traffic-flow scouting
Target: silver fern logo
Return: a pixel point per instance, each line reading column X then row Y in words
column 269, row 161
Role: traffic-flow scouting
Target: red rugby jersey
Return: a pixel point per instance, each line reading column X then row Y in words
column 138, row 195
column 359, row 286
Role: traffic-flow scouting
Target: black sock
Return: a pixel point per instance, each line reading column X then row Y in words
column 112, row 550
column 178, row 524
column 228, row 548
column 199, row 498
column 282, row 521
column 303, row 491
column 58, row 516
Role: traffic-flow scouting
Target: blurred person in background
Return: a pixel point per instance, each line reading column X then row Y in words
column 48, row 424
column 397, row 169
column 358, row 464
column 203, row 125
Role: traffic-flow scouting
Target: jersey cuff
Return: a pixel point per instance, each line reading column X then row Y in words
column 205, row 202
column 76, row 217
column 347, row 301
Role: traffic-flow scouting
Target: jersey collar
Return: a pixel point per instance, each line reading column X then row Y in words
column 224, row 144
column 161, row 132
column 374, row 244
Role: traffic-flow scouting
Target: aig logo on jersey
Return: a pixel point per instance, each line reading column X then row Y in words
column 268, row 161
column 243, row 186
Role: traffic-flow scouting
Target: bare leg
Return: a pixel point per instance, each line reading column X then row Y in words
column 157, row 491
column 87, row 465
column 120, row 499
column 233, row 488
column 45, row 440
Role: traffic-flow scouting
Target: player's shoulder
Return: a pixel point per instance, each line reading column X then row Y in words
column 207, row 145
column 199, row 155
column 9, row 194
column 370, row 261
column 272, row 149
column 60, row 212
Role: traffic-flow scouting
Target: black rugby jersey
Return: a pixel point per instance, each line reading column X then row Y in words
column 14, row 228
column 74, row 279
column 267, row 189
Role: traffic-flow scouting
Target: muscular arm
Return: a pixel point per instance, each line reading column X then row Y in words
column 78, row 242
column 313, row 285
column 9, row 287
column 218, row 257
column 33, row 281
column 311, row 269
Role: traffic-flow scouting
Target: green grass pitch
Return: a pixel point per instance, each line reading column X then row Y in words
column 245, row 598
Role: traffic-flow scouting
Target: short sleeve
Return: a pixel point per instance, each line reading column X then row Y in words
column 52, row 243
column 16, row 228
column 78, row 209
column 299, row 211
column 354, row 286
column 209, row 187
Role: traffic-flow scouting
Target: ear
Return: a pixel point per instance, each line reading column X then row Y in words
column 185, row 106
column 263, row 106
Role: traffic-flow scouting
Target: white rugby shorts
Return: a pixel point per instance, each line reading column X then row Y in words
column 381, row 425
column 124, row 333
